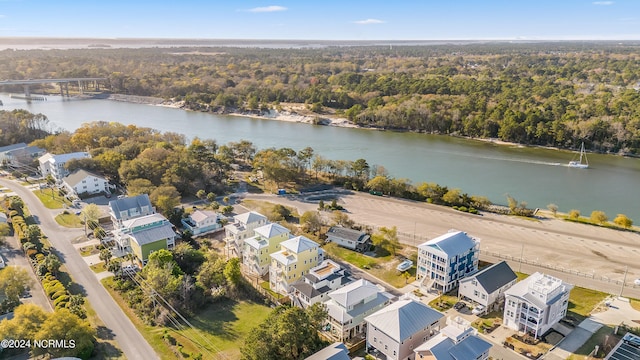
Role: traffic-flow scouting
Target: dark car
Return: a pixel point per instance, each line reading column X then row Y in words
column 459, row 305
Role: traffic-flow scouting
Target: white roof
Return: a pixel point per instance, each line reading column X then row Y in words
column 299, row 244
column 143, row 220
column 69, row 156
column 200, row 215
column 45, row 157
column 271, row 230
column 255, row 243
column 542, row 284
column 354, row 293
column 403, row 319
column 452, row 243
column 284, row 259
column 249, row 217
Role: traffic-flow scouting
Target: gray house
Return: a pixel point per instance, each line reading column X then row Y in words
column 130, row 208
column 349, row 238
column 487, row 287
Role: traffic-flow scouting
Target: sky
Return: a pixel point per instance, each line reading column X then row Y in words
column 324, row 20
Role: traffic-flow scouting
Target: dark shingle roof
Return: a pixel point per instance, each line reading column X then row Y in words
column 495, row 276
column 129, row 203
column 345, row 233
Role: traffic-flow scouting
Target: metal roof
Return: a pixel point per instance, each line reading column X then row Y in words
column 299, row 244
column 335, row 351
column 200, row 215
column 452, row 243
column 354, row 293
column 271, row 230
column 346, row 233
column 151, row 235
column 403, row 319
column 12, row 147
column 249, row 217
column 127, row 203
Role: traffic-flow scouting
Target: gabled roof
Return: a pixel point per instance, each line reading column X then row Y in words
column 144, row 220
column 345, row 233
column 45, row 158
column 78, row 176
column 494, row 277
column 354, row 293
column 249, row 217
column 69, row 156
column 444, row 348
column 12, row 147
column 335, row 351
column 151, row 235
column 452, row 243
column 200, row 215
column 403, row 319
column 127, row 203
column 299, row 244
column 271, row 230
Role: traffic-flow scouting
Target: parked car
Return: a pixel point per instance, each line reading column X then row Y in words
column 405, row 265
column 459, row 305
column 636, row 282
column 477, row 310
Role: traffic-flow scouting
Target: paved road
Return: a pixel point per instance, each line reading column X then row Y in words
column 129, row 340
column 587, row 249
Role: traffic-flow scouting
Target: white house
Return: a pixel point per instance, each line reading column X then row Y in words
column 394, row 331
column 456, row 341
column 487, row 287
column 130, row 208
column 536, row 303
column 349, row 238
column 202, row 221
column 443, row 261
column 83, row 182
column 348, row 306
column 54, row 164
column 318, row 283
column 242, row 228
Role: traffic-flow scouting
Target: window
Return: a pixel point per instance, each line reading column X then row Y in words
column 476, row 293
column 375, row 339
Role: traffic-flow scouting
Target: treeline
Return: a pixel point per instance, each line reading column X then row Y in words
column 21, row 126
column 556, row 94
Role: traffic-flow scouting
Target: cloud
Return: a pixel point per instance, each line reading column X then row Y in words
column 369, row 22
column 603, row 3
column 271, row 8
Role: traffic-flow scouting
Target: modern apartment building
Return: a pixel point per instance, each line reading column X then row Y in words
column 296, row 257
column 241, row 229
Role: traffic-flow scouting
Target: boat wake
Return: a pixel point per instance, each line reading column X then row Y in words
column 498, row 158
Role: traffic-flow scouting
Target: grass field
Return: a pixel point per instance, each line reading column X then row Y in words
column 69, row 220
column 222, row 327
column 50, row 202
column 99, row 267
column 635, row 303
column 443, row 302
column 598, row 338
column 582, row 302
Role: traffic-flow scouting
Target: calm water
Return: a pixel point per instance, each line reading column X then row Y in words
column 537, row 176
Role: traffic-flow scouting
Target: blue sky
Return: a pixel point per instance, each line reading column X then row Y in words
column 327, row 19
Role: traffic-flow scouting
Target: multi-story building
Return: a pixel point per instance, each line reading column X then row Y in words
column 241, row 229
column 457, row 340
column 348, row 306
column 84, row 183
column 443, row 261
column 202, row 221
column 143, row 235
column 54, row 164
column 128, row 208
column 257, row 249
column 394, row 331
column 536, row 303
column 318, row 283
column 487, row 287
column 296, row 257
column 349, row 238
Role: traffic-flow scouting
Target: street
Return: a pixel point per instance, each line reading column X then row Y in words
column 129, row 340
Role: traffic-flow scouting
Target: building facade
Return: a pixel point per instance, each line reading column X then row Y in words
column 202, row 222
column 349, row 238
column 457, row 340
column 296, row 257
column 443, row 261
column 536, row 303
column 128, row 208
column 241, row 229
column 84, row 183
column 487, row 287
column 315, row 286
column 143, row 235
column 256, row 256
column 54, row 164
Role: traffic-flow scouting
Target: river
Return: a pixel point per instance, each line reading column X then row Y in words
column 535, row 175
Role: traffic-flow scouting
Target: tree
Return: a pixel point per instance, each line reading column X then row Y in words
column 553, row 208
column 406, row 277
column 34, row 234
column 232, row 272
column 574, row 214
column 311, row 221
column 379, row 183
column 115, row 266
column 63, row 325
column 599, row 217
column 76, row 306
column 27, row 320
column 14, row 281
column 211, row 273
column 288, row 333
column 105, row 255
column 52, row 263
column 165, row 198
column 211, row 197
column 360, row 169
column 91, row 214
column 452, row 197
column 321, row 205
column 201, row 194
column 341, row 219
column 140, row 186
column 387, row 239
column 305, row 156
column 188, row 258
column 623, row 220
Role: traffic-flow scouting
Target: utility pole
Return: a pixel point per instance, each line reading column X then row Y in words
column 624, row 279
column 521, row 255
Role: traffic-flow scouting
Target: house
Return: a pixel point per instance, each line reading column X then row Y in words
column 242, row 228
column 487, row 287
column 143, row 235
column 296, row 257
column 54, row 164
column 348, row 307
column 394, row 331
column 536, row 303
column 83, row 182
column 318, row 283
column 456, row 341
column 257, row 249
column 5, row 149
column 349, row 238
column 335, row 351
column 443, row 261
column 130, row 208
column 23, row 156
column 202, row 221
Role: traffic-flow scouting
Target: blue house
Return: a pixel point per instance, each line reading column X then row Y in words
column 443, row 261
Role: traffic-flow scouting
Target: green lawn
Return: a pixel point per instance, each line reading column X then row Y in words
column 521, row 276
column 443, row 302
column 598, row 338
column 69, row 220
column 221, row 327
column 582, row 301
column 50, row 202
column 99, row 267
column 88, row 250
column 635, row 303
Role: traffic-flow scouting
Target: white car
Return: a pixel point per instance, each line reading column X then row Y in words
column 477, row 310
column 636, row 282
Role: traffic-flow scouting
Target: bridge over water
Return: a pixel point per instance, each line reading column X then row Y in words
column 83, row 84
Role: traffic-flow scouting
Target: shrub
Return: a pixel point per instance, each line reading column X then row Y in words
column 57, row 294
column 32, row 252
column 39, row 257
column 463, row 208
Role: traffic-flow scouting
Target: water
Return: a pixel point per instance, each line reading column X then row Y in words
column 537, row 176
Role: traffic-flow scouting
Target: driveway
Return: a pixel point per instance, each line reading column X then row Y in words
column 575, row 339
column 129, row 340
column 619, row 311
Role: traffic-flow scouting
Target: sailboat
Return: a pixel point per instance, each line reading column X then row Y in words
column 579, row 163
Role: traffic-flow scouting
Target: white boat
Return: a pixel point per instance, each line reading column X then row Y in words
column 579, row 163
